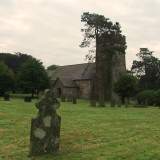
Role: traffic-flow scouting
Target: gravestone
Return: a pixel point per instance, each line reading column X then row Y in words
column 136, row 104
column 6, row 97
column 45, row 128
column 112, row 103
column 27, row 99
column 126, row 102
column 63, row 98
column 74, row 100
column 146, row 103
column 119, row 103
column 142, row 105
column 69, row 97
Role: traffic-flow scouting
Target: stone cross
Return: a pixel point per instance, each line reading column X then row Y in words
column 45, row 128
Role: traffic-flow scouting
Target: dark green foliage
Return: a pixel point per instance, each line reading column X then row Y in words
column 14, row 61
column 32, row 77
column 126, row 85
column 52, row 67
column 158, row 96
column 147, row 69
column 101, row 34
column 7, row 79
column 149, row 94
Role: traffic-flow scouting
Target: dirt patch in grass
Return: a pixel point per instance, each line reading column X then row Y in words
column 25, row 122
column 3, row 114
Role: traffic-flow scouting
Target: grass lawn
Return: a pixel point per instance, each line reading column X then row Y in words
column 86, row 133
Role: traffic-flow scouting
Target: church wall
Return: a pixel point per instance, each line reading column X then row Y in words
column 84, row 88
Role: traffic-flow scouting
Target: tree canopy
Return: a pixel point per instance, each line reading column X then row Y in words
column 147, row 69
column 14, row 61
column 126, row 85
column 98, row 29
column 52, row 67
column 32, row 77
column 6, row 79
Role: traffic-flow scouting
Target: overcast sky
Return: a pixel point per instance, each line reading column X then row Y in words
column 49, row 30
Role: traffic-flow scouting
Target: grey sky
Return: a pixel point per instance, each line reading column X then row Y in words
column 50, row 29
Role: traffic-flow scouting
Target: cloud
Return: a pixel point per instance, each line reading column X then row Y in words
column 50, row 30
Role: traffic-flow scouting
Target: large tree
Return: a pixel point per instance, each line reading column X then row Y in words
column 126, row 85
column 14, row 61
column 32, row 77
column 147, row 69
column 7, row 79
column 103, row 37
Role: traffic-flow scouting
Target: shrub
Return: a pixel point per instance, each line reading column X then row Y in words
column 149, row 94
column 158, row 96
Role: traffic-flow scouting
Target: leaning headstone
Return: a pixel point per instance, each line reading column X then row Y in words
column 126, row 102
column 146, row 103
column 6, row 97
column 74, row 100
column 27, row 99
column 119, row 103
column 112, row 103
column 63, row 98
column 45, row 128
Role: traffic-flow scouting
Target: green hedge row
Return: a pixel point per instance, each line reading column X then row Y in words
column 152, row 96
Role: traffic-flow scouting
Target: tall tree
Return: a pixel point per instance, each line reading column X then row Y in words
column 147, row 68
column 102, row 36
column 52, row 67
column 14, row 61
column 7, row 79
column 32, row 77
column 126, row 85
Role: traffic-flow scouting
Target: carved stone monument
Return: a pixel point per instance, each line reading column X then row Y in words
column 45, row 128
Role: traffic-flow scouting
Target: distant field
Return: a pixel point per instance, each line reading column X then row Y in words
column 86, row 133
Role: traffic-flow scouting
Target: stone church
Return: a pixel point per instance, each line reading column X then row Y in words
column 76, row 79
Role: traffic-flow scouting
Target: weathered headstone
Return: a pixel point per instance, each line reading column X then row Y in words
column 63, row 98
column 74, row 100
column 119, row 103
column 27, row 99
column 69, row 97
column 136, row 104
column 126, row 102
column 6, row 97
column 112, row 103
column 146, row 103
column 142, row 105
column 45, row 128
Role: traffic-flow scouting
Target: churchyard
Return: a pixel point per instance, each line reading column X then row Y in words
column 96, row 133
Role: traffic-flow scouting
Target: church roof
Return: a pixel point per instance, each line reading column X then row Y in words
column 67, row 82
column 74, row 72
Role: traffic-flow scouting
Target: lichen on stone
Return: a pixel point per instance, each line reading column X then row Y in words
column 39, row 133
column 47, row 121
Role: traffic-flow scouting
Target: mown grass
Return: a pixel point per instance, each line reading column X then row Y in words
column 86, row 133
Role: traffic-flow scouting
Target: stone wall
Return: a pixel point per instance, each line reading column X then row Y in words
column 84, row 88
column 71, row 91
column 118, row 65
column 64, row 90
column 55, row 90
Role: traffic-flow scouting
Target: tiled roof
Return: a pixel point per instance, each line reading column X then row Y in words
column 74, row 72
column 68, row 82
